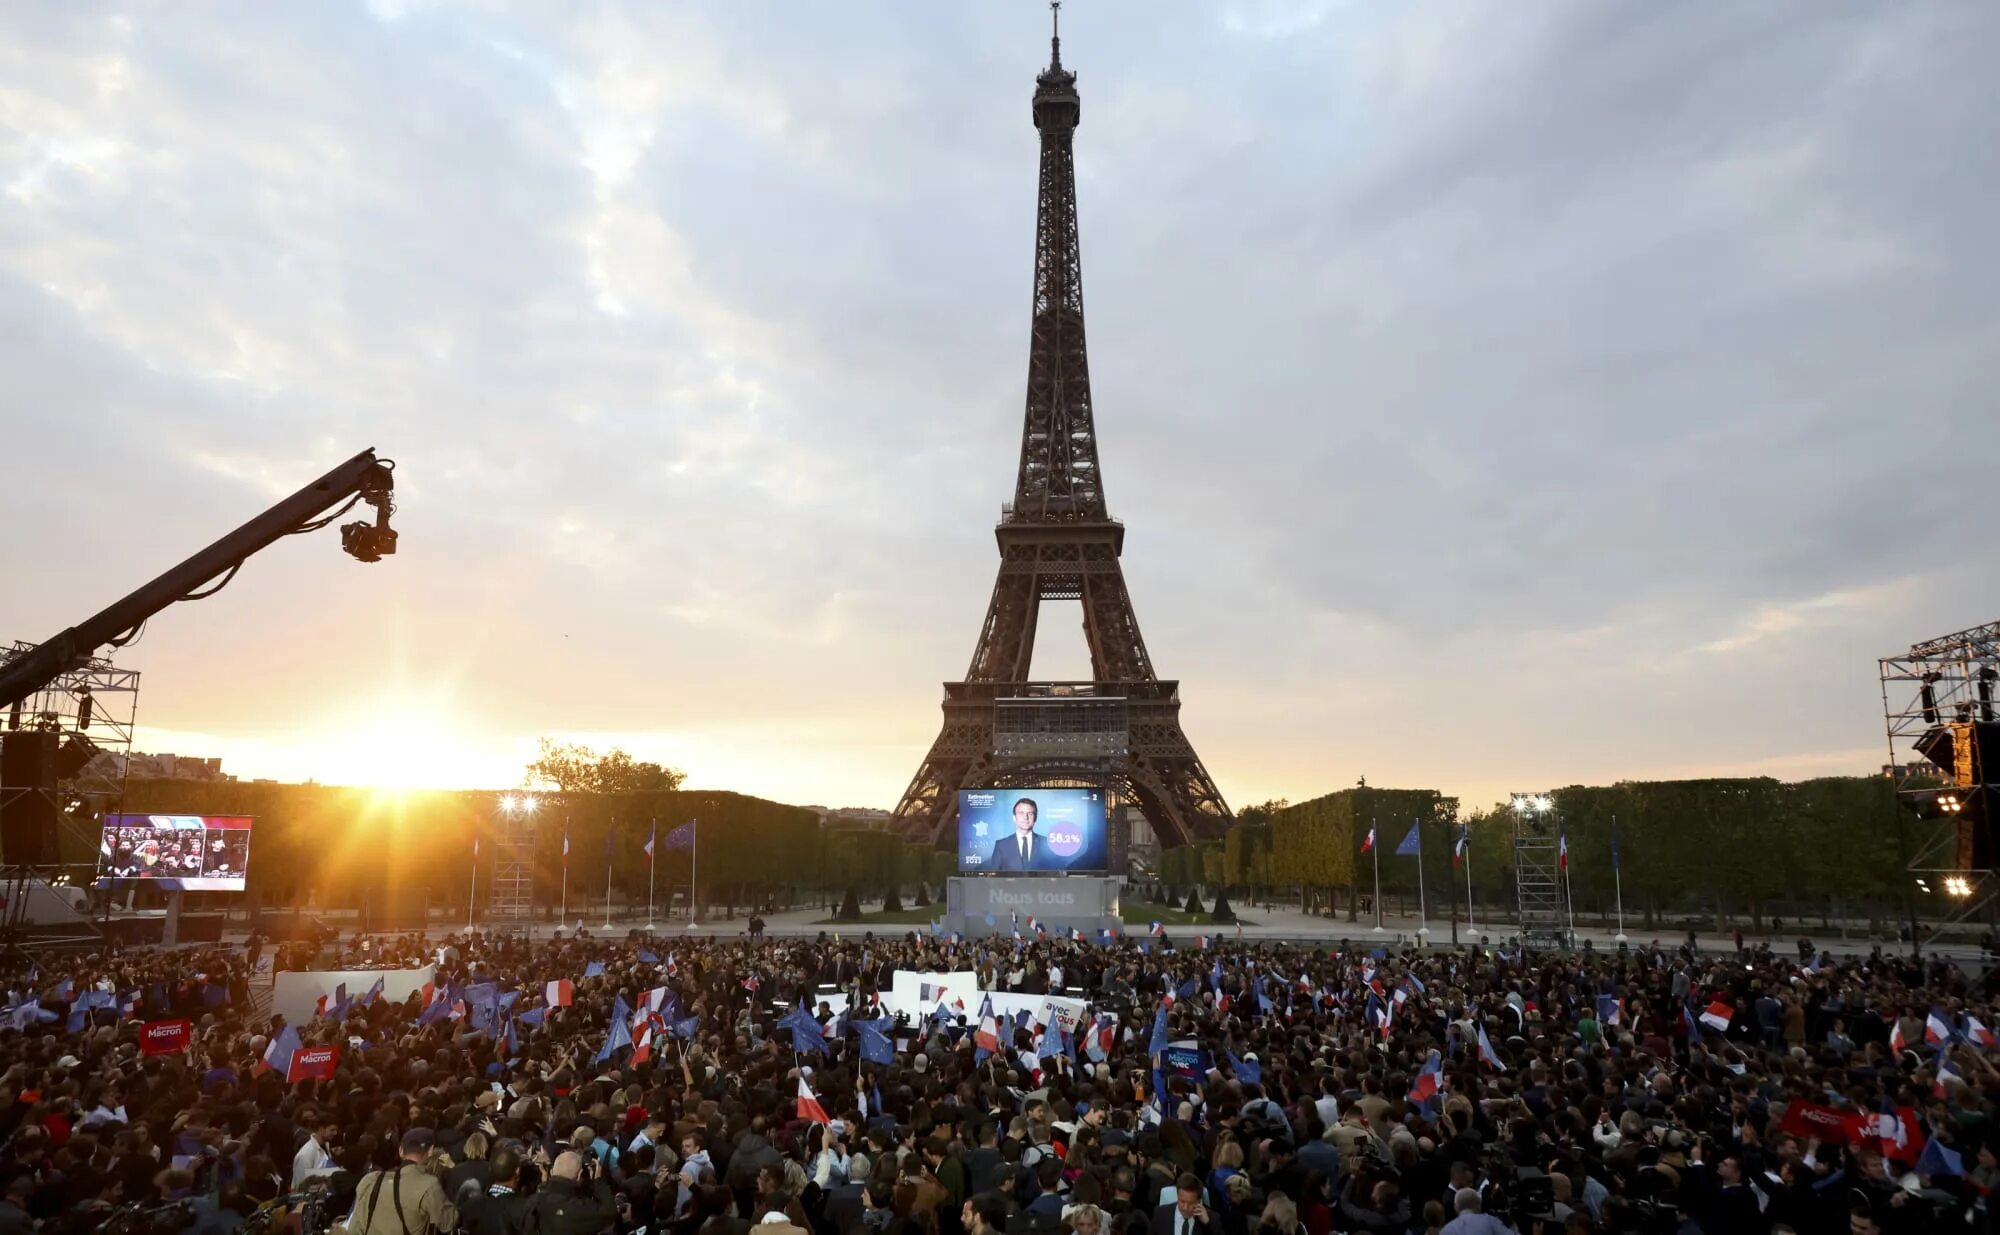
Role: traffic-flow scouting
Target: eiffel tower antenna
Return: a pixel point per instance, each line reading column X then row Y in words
column 1120, row 731
column 1055, row 34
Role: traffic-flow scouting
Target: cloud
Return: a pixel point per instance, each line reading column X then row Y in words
column 1495, row 399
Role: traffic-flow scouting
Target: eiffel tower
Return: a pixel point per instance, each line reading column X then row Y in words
column 1121, row 731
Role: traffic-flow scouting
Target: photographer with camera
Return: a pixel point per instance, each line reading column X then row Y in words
column 574, row 1200
column 409, row 1200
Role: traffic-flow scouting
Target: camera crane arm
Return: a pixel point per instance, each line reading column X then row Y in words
column 364, row 478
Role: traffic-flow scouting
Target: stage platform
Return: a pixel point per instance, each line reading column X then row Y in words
column 981, row 905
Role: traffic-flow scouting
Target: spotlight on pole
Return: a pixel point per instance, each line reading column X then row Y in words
column 510, row 804
column 528, row 803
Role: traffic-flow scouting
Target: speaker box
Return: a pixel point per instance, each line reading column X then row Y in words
column 28, row 798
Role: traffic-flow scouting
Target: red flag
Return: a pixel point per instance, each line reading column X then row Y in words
column 165, row 1037
column 809, row 1107
column 314, row 1063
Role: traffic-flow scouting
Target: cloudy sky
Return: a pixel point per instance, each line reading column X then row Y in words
column 1498, row 396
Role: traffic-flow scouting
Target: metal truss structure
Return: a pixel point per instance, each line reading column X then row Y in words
column 90, row 709
column 1121, row 731
column 1943, row 724
column 511, row 894
column 1540, row 892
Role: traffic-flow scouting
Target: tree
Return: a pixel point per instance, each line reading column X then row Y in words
column 572, row 768
column 1221, row 911
column 893, row 902
column 1194, row 900
column 850, row 907
column 1262, row 812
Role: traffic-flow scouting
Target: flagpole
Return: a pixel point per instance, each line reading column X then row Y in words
column 1376, row 849
column 652, row 865
column 1617, row 881
column 1569, row 894
column 472, row 892
column 694, row 858
column 611, row 827
column 1423, row 915
column 1472, row 932
column 562, row 914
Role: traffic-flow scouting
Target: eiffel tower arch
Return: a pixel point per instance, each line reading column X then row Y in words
column 1121, row 730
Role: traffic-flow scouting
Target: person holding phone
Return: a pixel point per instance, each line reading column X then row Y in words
column 1186, row 1215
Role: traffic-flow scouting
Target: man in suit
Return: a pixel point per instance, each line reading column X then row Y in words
column 1187, row 1215
column 1024, row 849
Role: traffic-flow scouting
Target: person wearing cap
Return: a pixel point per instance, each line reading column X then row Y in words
column 408, row 1199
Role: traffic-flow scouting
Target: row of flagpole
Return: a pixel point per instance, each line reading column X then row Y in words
column 1413, row 844
column 686, row 832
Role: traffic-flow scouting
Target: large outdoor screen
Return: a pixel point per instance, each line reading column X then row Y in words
column 175, row 853
column 1017, row 830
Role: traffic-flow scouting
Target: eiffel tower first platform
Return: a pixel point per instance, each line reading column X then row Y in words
column 1120, row 732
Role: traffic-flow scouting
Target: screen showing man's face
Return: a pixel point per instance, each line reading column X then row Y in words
column 1024, row 817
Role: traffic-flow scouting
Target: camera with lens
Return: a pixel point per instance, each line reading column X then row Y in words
column 367, row 542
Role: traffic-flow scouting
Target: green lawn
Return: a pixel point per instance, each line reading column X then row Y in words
column 1142, row 915
column 1138, row 916
column 909, row 915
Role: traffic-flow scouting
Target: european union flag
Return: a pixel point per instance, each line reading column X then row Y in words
column 876, row 1047
column 1412, row 844
column 620, row 1036
column 805, row 1030
column 681, row 837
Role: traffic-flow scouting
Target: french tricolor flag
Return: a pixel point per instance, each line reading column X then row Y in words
column 1978, row 1034
column 1718, row 1016
column 1562, row 850
column 651, row 836
column 1935, row 1029
column 559, row 993
column 1158, row 929
column 1897, row 1042
column 1945, row 1072
column 809, row 1107
column 1368, row 841
column 1486, row 1052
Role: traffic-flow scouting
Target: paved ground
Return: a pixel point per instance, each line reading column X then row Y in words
column 1263, row 924
column 1277, row 924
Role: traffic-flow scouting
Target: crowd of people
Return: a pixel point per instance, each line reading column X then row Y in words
column 678, row 1087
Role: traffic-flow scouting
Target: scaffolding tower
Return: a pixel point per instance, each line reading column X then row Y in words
column 511, row 892
column 88, row 714
column 1541, row 900
column 1939, row 707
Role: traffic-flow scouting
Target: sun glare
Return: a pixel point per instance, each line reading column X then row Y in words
column 410, row 743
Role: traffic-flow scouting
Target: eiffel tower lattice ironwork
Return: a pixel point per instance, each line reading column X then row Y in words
column 1121, row 731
